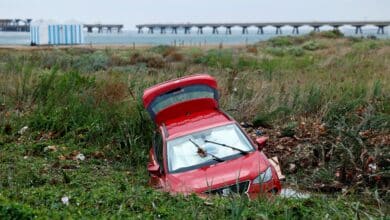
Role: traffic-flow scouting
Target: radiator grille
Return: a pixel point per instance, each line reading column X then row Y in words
column 239, row 188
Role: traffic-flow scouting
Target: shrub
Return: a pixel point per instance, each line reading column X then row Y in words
column 218, row 58
column 296, row 51
column 268, row 67
column 289, row 130
column 312, row 45
column 265, row 119
column 10, row 210
column 251, row 49
column 152, row 60
column 155, row 61
column 282, row 41
column 366, row 45
column 92, row 62
column 247, row 62
column 331, row 34
column 314, row 99
column 174, row 57
column 164, row 50
column 276, row 51
column 118, row 60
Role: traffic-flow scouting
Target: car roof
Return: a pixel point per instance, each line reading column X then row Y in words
column 196, row 122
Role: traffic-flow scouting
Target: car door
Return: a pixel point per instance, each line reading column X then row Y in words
column 157, row 159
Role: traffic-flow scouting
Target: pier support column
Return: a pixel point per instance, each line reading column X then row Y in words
column 260, row 30
column 119, row 29
column 215, row 30
column 140, row 30
column 358, row 29
column 109, row 29
column 89, row 29
column 278, row 30
column 335, row 27
column 100, row 29
column 200, row 30
column 381, row 30
column 151, row 30
column 162, row 30
column 174, row 30
column 244, row 30
column 187, row 30
column 316, row 28
column 228, row 30
column 295, row 30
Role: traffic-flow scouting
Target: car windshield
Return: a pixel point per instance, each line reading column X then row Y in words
column 183, row 153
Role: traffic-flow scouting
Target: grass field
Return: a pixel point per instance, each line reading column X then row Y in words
column 323, row 99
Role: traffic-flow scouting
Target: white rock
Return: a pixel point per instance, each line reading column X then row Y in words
column 80, row 157
column 372, row 167
column 291, row 193
column 65, row 200
column 23, row 130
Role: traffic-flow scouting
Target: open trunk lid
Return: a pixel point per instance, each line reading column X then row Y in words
column 183, row 96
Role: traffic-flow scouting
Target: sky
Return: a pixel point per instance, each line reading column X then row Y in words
column 132, row 12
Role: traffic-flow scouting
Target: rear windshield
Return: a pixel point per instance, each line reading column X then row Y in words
column 180, row 95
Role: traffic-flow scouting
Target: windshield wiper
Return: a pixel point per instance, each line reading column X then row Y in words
column 201, row 151
column 231, row 147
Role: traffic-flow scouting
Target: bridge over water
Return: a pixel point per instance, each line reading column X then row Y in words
column 15, row 24
column 174, row 27
column 102, row 27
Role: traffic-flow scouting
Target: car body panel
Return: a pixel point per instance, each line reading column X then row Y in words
column 198, row 121
column 196, row 115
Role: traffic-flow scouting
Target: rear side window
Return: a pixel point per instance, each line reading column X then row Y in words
column 180, row 95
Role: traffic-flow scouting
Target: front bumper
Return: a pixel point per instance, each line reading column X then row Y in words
column 249, row 188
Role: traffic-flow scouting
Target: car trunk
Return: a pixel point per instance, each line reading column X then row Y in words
column 181, row 97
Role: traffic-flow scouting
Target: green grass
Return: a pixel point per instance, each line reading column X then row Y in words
column 329, row 92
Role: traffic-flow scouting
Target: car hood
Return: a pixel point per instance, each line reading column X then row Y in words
column 218, row 175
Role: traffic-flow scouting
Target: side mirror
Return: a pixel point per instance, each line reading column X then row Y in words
column 261, row 142
column 154, row 169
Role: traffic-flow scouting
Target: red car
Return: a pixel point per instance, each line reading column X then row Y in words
column 198, row 148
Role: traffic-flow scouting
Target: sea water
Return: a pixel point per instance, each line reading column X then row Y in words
column 130, row 37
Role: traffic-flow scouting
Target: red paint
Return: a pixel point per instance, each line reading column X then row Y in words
column 196, row 115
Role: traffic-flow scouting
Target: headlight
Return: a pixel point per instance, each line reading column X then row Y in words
column 264, row 177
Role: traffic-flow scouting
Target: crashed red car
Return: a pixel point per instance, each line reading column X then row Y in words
column 198, row 148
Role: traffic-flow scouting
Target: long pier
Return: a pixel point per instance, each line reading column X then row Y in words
column 19, row 25
column 186, row 27
column 23, row 25
column 102, row 27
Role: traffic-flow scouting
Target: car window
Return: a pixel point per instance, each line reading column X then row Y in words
column 158, row 148
column 182, row 153
column 180, row 95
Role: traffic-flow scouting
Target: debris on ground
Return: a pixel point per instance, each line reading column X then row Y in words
column 52, row 148
column 65, row 200
column 23, row 130
column 80, row 157
column 275, row 163
column 309, row 147
column 98, row 155
column 291, row 193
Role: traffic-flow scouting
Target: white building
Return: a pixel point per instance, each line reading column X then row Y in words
column 51, row 33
